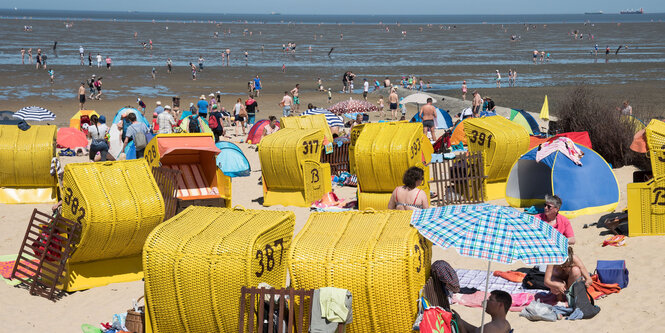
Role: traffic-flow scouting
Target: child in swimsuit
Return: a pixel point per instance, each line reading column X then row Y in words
column 409, row 196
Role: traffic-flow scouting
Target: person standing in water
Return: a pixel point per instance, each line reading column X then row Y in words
column 464, row 90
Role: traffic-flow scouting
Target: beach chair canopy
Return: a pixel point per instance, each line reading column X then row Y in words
column 589, row 188
column 231, row 160
column 443, row 119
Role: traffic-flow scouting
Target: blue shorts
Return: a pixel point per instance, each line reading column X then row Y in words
column 286, row 111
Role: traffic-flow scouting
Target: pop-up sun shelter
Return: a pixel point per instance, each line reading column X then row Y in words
column 231, row 160
column 525, row 120
column 200, row 181
column 589, row 188
column 443, row 119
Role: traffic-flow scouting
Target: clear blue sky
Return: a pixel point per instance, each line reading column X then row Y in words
column 348, row 6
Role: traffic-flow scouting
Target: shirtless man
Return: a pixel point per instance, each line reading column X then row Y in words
column 286, row 103
column 393, row 99
column 477, row 103
column 81, row 95
column 296, row 97
column 428, row 115
column 497, row 307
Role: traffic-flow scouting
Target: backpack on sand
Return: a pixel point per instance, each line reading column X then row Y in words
column 194, row 126
column 579, row 298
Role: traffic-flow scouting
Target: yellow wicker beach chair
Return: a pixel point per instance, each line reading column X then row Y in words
column 26, row 160
column 655, row 133
column 313, row 121
column 117, row 204
column 646, row 208
column 376, row 255
column 292, row 172
column 502, row 143
column 382, row 152
column 197, row 262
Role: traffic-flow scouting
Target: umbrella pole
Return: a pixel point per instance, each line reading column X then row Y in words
column 487, row 283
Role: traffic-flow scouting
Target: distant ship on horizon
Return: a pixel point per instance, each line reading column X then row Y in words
column 594, row 13
column 631, row 11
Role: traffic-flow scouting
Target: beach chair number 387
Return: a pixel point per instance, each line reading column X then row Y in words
column 268, row 253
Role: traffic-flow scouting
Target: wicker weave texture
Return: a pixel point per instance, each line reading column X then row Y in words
column 502, row 142
column 383, row 152
column 655, row 133
column 646, row 208
column 117, row 203
column 196, row 263
column 376, row 255
column 26, row 156
column 313, row 121
column 282, row 153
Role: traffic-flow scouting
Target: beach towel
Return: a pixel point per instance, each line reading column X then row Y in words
column 598, row 289
column 561, row 144
column 475, row 300
column 471, row 278
column 511, row 275
column 7, row 265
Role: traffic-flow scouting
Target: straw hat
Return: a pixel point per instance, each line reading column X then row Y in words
column 159, row 103
column 202, row 97
column 211, row 95
column 168, row 107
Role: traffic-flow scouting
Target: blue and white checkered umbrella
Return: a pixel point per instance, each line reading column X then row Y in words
column 35, row 113
column 494, row 233
column 332, row 119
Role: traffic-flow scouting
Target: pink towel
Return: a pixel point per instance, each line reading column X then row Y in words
column 560, row 144
column 475, row 300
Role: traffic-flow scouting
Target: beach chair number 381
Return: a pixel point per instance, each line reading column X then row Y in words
column 268, row 253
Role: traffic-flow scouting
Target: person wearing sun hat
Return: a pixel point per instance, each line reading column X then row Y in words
column 159, row 109
column 165, row 121
column 203, row 107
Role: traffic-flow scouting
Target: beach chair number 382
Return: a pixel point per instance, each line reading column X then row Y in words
column 73, row 205
column 268, row 253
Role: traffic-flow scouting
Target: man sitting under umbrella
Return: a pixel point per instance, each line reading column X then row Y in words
column 497, row 307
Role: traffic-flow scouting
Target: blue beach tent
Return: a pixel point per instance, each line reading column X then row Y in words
column 587, row 189
column 443, row 119
column 231, row 160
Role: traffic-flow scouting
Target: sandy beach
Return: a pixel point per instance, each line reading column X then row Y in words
column 636, row 308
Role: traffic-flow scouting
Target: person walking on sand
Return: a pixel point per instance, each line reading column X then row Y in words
column 38, row 59
column 169, row 65
column 98, row 87
column 153, row 73
column 30, row 56
column 240, row 115
column 535, row 56
column 193, row 68
column 428, row 115
column 257, row 85
column 393, row 99
column 51, row 74
column 464, row 90
column 498, row 79
column 295, row 92
column 81, row 54
column 89, row 59
column 286, row 104
column 22, row 56
column 365, row 88
column 476, row 104
column 108, row 62
column 99, row 60
column 382, row 113
column 201, row 63
column 81, row 95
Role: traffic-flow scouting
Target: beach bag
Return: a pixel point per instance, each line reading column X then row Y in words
column 579, row 298
column 534, row 279
column 213, row 121
column 194, row 126
column 613, row 271
column 436, row 320
column 140, row 141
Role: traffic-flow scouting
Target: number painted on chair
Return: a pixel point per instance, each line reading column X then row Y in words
column 269, row 254
column 73, row 203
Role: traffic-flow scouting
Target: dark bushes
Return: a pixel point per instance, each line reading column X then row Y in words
column 611, row 134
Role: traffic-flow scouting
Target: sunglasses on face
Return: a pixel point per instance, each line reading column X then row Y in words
column 549, row 206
